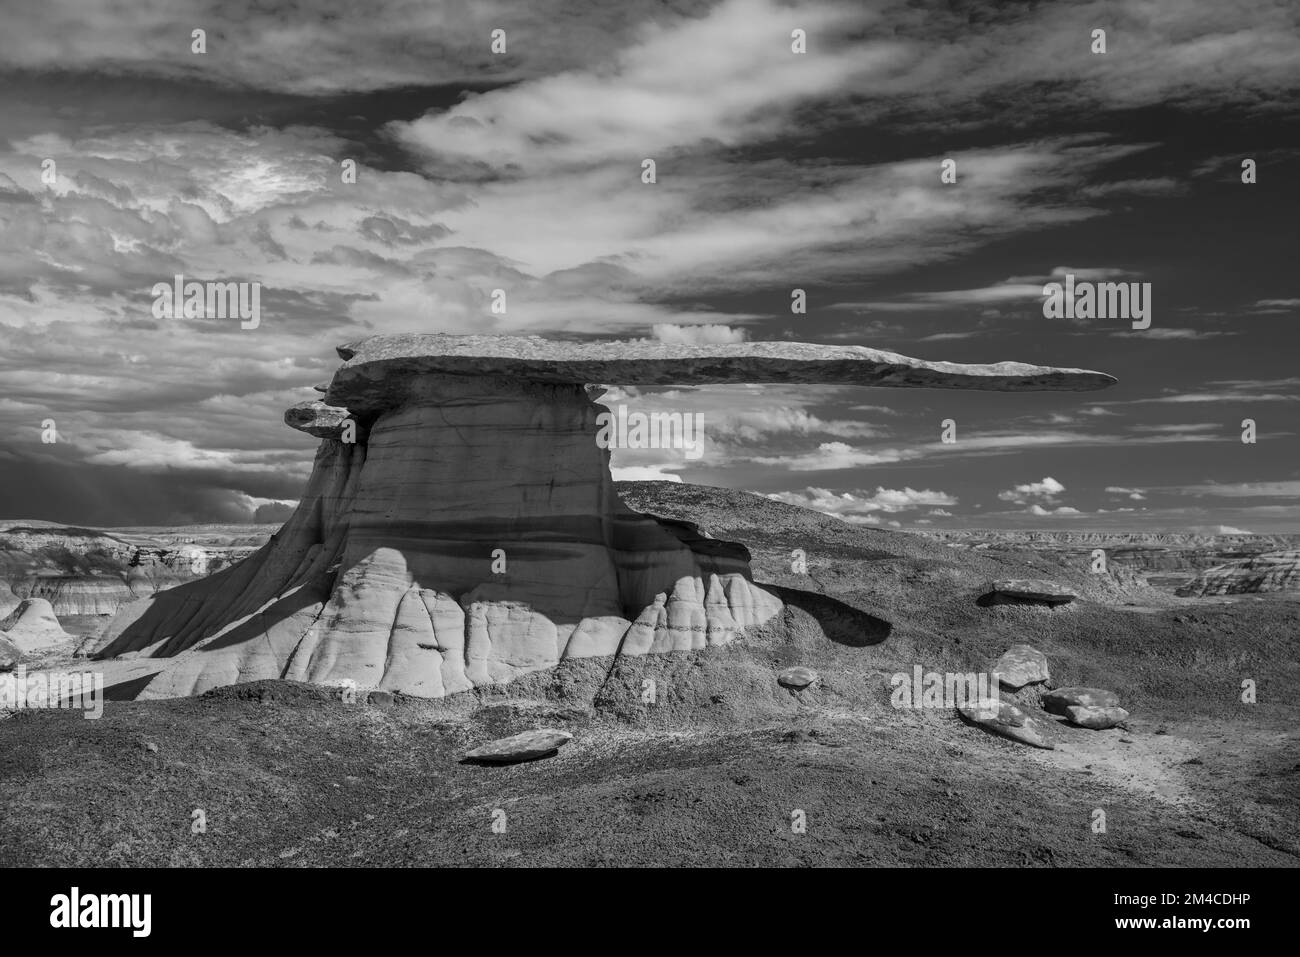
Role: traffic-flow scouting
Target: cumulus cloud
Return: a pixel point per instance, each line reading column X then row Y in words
column 1046, row 488
column 862, row 507
column 1136, row 494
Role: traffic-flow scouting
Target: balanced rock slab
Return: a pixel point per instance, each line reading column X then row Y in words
column 1098, row 719
column 1029, row 591
column 1022, row 665
column 524, row 746
column 797, row 677
column 1005, row 719
column 471, row 533
column 1058, row 700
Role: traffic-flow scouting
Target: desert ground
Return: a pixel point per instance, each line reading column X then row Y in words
column 718, row 769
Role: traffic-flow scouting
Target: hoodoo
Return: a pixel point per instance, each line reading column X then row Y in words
column 460, row 526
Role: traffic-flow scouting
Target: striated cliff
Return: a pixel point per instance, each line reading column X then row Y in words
column 1269, row 572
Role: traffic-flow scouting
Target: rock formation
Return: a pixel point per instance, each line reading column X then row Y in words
column 33, row 627
column 84, row 572
column 1270, row 571
column 470, row 532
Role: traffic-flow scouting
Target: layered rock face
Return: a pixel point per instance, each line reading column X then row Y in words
column 460, row 527
column 473, row 536
column 82, row 572
column 1271, row 571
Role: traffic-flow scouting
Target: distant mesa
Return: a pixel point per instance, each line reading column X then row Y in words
column 1266, row 572
column 471, row 534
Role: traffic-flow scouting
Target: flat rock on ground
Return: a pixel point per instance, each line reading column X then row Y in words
column 524, row 746
column 1097, row 719
column 1031, row 591
column 1058, row 700
column 1005, row 719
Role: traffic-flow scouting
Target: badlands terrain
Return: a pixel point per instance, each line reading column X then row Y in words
column 713, row 768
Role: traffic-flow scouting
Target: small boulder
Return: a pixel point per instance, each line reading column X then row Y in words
column 524, row 746
column 1056, row 702
column 1002, row 718
column 797, row 677
column 1029, row 591
column 1098, row 719
column 384, row 699
column 318, row 419
column 1022, row 665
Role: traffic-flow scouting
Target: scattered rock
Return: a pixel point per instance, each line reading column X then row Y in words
column 384, row 699
column 1098, row 719
column 1057, row 701
column 1022, row 665
column 150, row 747
column 524, row 746
column 999, row 717
column 1028, row 591
column 797, row 677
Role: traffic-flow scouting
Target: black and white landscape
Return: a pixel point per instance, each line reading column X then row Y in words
column 657, row 434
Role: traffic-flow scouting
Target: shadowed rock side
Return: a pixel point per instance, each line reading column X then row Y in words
column 472, row 534
column 384, row 575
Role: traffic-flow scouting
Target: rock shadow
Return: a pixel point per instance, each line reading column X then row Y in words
column 841, row 622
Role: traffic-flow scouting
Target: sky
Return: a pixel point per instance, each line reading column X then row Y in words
column 126, row 157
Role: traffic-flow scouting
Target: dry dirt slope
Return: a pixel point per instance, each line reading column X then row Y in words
column 711, row 772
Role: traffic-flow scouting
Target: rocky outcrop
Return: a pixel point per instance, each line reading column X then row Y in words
column 82, row 572
column 471, row 533
column 1267, row 572
column 33, row 627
